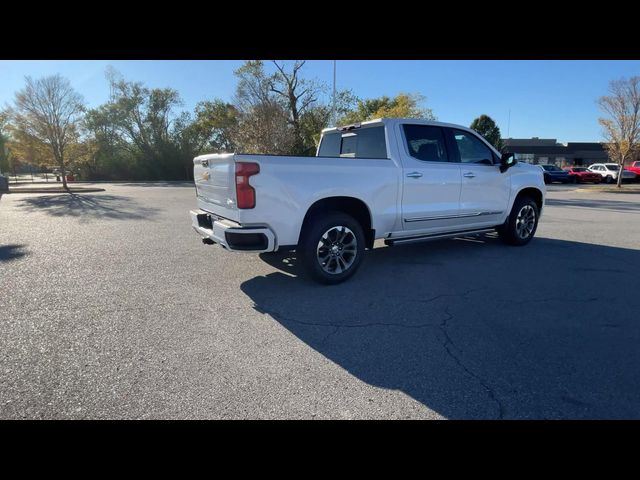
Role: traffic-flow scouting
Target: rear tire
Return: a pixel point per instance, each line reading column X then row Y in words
column 331, row 247
column 522, row 223
column 609, row 179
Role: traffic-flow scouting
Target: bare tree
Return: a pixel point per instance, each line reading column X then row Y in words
column 49, row 110
column 299, row 96
column 622, row 127
column 274, row 109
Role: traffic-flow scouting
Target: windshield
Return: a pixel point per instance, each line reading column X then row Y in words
column 550, row 168
column 576, row 169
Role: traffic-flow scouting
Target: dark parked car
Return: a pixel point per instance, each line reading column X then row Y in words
column 555, row 174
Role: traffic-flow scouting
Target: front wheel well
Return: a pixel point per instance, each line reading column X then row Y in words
column 349, row 205
column 534, row 193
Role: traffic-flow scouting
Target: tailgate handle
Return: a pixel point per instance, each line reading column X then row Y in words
column 205, row 163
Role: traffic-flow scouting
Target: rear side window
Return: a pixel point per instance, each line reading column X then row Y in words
column 426, row 143
column 358, row 143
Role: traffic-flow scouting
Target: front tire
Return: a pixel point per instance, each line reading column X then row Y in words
column 331, row 247
column 522, row 223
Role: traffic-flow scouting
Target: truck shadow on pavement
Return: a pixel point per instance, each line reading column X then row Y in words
column 88, row 207
column 11, row 252
column 599, row 204
column 472, row 328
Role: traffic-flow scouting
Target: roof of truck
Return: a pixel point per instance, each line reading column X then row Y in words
column 420, row 121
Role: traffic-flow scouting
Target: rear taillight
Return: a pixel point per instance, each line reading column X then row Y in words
column 245, row 193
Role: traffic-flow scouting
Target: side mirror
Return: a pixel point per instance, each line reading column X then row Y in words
column 507, row 161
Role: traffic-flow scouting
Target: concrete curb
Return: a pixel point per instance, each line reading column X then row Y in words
column 614, row 189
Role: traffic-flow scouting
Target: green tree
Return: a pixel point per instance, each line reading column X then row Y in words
column 48, row 111
column 141, row 133
column 403, row 105
column 212, row 128
column 142, row 122
column 487, row 127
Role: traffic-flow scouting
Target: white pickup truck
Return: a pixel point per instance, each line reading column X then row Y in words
column 401, row 180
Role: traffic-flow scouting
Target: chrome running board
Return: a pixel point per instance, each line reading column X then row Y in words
column 434, row 236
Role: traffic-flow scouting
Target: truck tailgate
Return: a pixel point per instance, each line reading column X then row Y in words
column 214, row 177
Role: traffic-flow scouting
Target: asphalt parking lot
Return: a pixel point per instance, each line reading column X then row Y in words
column 111, row 307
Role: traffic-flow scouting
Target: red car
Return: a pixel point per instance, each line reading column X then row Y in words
column 634, row 167
column 582, row 175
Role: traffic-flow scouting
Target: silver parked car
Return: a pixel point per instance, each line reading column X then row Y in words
column 610, row 171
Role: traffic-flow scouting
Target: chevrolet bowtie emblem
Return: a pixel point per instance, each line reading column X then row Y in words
column 205, row 176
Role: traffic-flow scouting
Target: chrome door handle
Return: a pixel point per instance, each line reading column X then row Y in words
column 414, row 175
column 469, row 174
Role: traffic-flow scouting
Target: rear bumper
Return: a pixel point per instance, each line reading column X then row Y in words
column 231, row 235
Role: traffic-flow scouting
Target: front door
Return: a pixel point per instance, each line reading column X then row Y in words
column 484, row 196
column 431, row 193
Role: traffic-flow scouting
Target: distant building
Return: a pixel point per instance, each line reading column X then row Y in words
column 548, row 151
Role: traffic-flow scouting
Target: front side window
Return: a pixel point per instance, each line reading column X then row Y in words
column 426, row 143
column 471, row 148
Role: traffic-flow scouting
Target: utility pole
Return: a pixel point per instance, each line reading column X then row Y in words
column 333, row 100
column 509, row 124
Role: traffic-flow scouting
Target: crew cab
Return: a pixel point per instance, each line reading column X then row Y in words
column 400, row 180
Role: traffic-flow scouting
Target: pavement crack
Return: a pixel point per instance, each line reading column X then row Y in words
column 330, row 334
column 554, row 299
column 444, row 295
column 287, row 318
column 450, row 346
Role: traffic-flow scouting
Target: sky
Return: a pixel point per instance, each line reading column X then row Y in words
column 527, row 98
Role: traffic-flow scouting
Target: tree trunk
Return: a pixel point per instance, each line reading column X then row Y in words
column 63, row 171
column 619, row 183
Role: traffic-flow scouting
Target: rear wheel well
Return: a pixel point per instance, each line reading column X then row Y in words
column 349, row 205
column 534, row 193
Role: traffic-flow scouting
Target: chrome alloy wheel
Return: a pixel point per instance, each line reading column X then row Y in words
column 526, row 221
column 337, row 250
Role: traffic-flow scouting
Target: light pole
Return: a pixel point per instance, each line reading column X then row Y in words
column 333, row 97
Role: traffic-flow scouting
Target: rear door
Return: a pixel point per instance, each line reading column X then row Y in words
column 431, row 180
column 214, row 177
column 484, row 196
